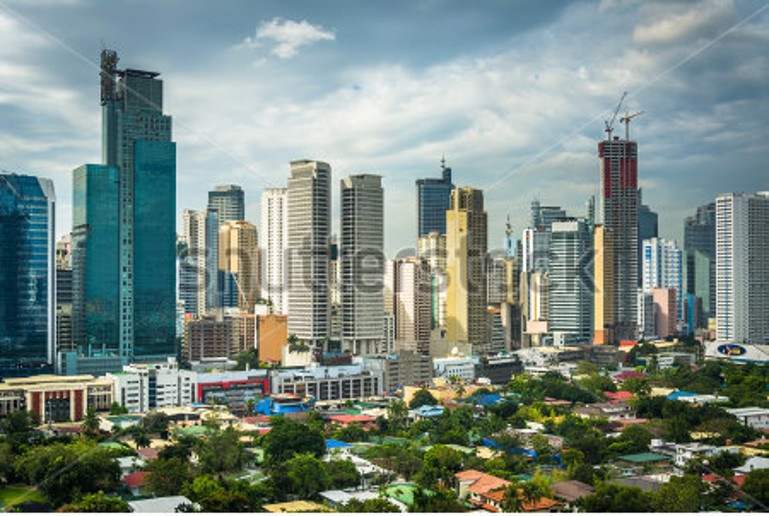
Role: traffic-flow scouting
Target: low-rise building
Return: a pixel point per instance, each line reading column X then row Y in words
column 756, row 417
column 232, row 388
column 462, row 367
column 611, row 411
column 144, row 387
column 329, row 382
column 55, row 398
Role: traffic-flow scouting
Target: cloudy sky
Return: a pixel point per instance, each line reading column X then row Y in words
column 513, row 92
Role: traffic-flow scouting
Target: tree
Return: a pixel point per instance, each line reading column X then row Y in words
column 616, row 498
column 222, row 452
column 436, row 501
column 440, row 464
column 678, row 430
column 541, row 446
column 64, row 472
column 297, row 345
column 96, row 502
column 116, row 409
column 597, row 383
column 288, row 438
column 756, row 484
column 141, row 439
column 168, row 476
column 397, row 415
column 370, row 505
column 351, row 433
column 512, row 500
column 90, row 423
column 304, row 476
column 20, row 428
column 680, row 494
column 155, row 422
column 422, row 397
column 637, row 385
column 342, row 474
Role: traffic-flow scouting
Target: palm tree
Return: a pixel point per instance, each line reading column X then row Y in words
column 90, row 423
column 512, row 500
column 531, row 493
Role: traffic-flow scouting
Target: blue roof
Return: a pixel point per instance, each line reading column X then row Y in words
column 429, row 410
column 333, row 443
column 680, row 394
column 484, row 400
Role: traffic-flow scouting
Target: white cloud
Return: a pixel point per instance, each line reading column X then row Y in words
column 288, row 36
column 672, row 22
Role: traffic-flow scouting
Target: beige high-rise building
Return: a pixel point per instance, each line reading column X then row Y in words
column 239, row 255
column 407, row 297
column 603, row 279
column 466, row 247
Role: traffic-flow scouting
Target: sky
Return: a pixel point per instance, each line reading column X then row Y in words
column 514, row 94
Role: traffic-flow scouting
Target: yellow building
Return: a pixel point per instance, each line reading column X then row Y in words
column 603, row 275
column 239, row 254
column 466, row 246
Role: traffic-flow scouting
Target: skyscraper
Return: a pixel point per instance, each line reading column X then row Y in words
column 619, row 210
column 663, row 268
column 544, row 216
column 27, row 275
column 466, row 248
column 137, row 142
column 229, row 201
column 648, row 227
column 309, row 229
column 571, row 288
column 433, row 199
column 742, row 268
column 274, row 235
column 432, row 248
column 239, row 256
column 700, row 249
column 362, row 263
column 603, row 278
column 201, row 233
column 408, row 299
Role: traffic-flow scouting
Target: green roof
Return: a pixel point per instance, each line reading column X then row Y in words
column 112, row 445
column 404, row 493
column 643, row 457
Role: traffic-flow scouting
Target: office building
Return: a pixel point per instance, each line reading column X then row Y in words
column 663, row 266
column 239, row 260
column 201, row 234
column 432, row 248
column 27, row 275
column 55, row 399
column 648, row 228
column 309, row 229
column 326, row 383
column 603, row 278
column 124, row 228
column 142, row 388
column 433, row 200
column 544, row 216
column 274, row 235
column 571, row 282
column 619, row 214
column 271, row 337
column 408, row 299
column 646, row 320
column 222, row 333
column 700, row 249
column 742, row 268
column 466, row 248
column 229, row 203
column 665, row 311
column 361, row 250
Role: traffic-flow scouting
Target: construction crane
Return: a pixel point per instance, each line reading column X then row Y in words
column 610, row 124
column 626, row 120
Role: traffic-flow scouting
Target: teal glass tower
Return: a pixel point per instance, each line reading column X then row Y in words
column 126, row 210
column 27, row 275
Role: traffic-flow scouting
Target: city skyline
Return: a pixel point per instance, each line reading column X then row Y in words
column 505, row 92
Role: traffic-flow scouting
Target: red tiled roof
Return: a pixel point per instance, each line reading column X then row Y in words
column 629, row 374
column 481, row 482
column 619, row 395
column 147, row 453
column 136, row 479
column 543, row 504
column 256, row 420
column 263, row 431
column 351, row 418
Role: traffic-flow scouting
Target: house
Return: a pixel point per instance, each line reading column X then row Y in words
column 165, row 504
column 135, row 482
column 644, row 461
column 130, row 465
column 610, row 411
column 756, row 417
column 571, row 490
column 614, row 397
column 752, row 464
column 626, row 375
column 472, row 483
column 493, row 501
column 367, row 422
column 336, row 498
column 690, row 451
column 297, row 506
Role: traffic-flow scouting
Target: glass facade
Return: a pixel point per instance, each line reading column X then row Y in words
column 95, row 251
column 27, row 275
column 433, row 199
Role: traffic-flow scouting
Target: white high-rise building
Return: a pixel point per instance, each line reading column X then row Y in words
column 361, row 254
column 274, row 233
column 309, row 229
column 663, row 267
column 571, row 286
column 742, row 268
column 201, row 234
column 407, row 296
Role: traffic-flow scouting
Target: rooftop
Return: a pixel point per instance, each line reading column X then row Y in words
column 640, row 458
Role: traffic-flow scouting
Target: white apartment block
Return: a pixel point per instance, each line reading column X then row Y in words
column 274, row 235
column 201, row 234
column 144, row 387
column 408, row 292
column 742, row 268
column 361, row 256
column 663, row 267
column 309, row 229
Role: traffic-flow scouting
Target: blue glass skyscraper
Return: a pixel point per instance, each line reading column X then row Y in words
column 433, row 199
column 132, row 244
column 27, row 275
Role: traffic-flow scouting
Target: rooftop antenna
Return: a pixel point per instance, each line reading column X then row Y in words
column 610, row 123
column 626, row 120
